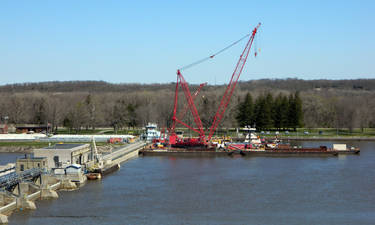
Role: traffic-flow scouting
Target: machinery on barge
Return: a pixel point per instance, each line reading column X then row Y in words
column 171, row 140
column 203, row 142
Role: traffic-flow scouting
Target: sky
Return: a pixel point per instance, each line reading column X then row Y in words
column 147, row 41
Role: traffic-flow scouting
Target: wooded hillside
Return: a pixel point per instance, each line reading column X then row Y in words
column 88, row 104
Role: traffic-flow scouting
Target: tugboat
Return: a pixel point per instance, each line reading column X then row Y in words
column 151, row 132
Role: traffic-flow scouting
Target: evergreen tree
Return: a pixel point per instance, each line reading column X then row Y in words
column 295, row 115
column 298, row 110
column 269, row 111
column 260, row 116
column 245, row 113
column 284, row 110
column 278, row 111
column 291, row 112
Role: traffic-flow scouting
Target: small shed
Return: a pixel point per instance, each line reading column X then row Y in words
column 73, row 169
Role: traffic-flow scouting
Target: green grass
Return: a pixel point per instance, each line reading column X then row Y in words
column 330, row 132
column 326, row 132
column 123, row 132
column 312, row 132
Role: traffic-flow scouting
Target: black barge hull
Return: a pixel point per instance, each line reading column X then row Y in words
column 271, row 153
column 107, row 170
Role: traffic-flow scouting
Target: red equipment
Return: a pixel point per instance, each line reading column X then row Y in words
column 232, row 84
column 185, row 87
column 114, row 140
column 202, row 140
column 161, row 138
column 182, row 114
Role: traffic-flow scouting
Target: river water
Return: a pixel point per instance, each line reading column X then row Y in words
column 222, row 190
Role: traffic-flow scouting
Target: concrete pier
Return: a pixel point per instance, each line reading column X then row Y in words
column 47, row 191
column 67, row 184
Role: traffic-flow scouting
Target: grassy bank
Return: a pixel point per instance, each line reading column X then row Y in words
column 325, row 132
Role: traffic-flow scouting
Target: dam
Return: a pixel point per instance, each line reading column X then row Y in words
column 19, row 190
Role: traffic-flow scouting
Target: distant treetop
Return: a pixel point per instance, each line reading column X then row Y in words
column 289, row 84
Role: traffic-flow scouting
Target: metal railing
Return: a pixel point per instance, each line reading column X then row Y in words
column 14, row 178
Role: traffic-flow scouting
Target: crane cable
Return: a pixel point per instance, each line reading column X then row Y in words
column 213, row 55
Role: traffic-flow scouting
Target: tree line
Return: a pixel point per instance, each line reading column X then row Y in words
column 288, row 103
column 291, row 84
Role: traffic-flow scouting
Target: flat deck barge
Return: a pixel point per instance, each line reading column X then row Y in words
column 283, row 152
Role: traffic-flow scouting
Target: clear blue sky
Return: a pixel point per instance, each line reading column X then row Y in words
column 146, row 41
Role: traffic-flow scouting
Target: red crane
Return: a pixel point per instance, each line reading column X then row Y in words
column 185, row 87
column 186, row 107
column 232, row 84
column 223, row 103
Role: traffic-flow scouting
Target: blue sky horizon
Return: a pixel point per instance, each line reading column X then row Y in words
column 146, row 41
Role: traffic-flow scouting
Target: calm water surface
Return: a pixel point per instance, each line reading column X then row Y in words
column 9, row 157
column 222, row 190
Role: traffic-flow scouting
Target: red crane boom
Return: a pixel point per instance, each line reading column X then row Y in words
column 224, row 101
column 186, row 107
column 232, row 84
column 190, row 102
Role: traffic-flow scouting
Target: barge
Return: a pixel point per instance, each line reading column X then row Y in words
column 253, row 145
column 282, row 151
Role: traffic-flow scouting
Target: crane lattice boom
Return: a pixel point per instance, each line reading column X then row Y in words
column 223, row 103
column 232, row 84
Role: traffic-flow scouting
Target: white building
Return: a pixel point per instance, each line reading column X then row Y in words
column 63, row 155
